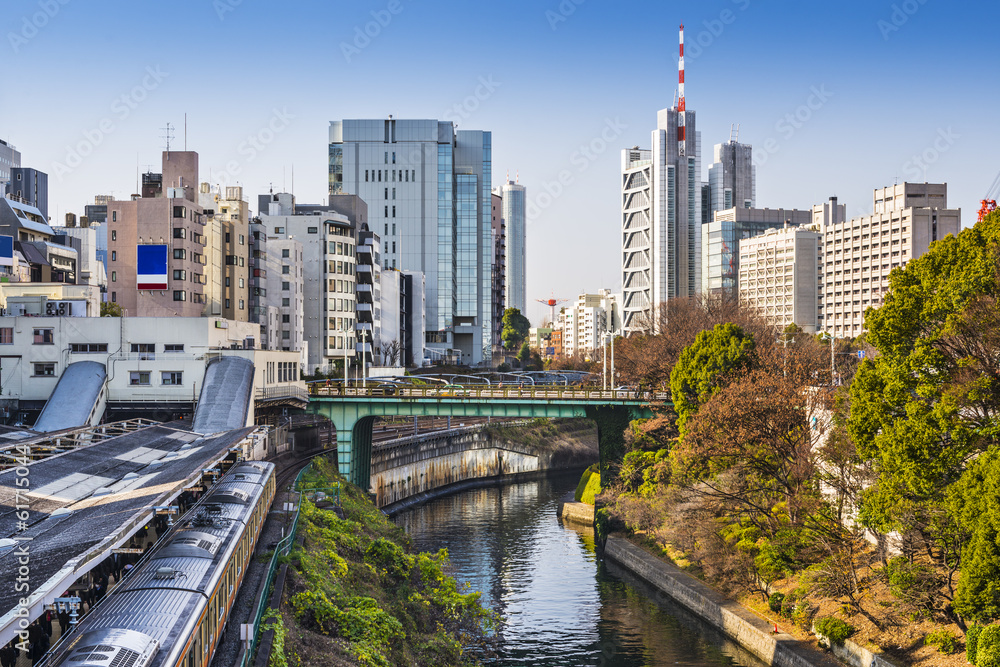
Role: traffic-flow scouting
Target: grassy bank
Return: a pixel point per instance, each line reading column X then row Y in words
column 357, row 595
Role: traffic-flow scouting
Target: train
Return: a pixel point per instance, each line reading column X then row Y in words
column 171, row 610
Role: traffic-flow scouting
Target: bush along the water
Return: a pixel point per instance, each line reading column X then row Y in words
column 834, row 629
column 581, row 486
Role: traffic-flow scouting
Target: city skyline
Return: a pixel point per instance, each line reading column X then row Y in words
column 845, row 118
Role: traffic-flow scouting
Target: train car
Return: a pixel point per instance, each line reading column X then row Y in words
column 171, row 610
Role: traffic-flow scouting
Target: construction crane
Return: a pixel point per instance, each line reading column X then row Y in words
column 989, row 202
column 552, row 302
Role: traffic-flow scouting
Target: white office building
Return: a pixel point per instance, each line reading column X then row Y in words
column 585, row 322
column 428, row 190
column 512, row 212
column 779, row 275
column 286, row 291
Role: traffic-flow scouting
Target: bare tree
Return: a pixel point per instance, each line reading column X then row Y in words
column 391, row 352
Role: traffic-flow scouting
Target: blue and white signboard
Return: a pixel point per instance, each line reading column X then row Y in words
column 6, row 251
column 151, row 267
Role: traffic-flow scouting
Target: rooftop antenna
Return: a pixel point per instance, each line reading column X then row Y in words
column 734, row 133
column 681, row 138
column 517, row 176
column 293, row 178
column 167, row 135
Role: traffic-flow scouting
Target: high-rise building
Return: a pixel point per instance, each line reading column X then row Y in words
column 499, row 237
column 157, row 243
column 514, row 271
column 661, row 215
column 427, row 187
column 779, row 274
column 859, row 254
column 413, row 318
column 227, row 233
column 286, row 289
column 720, row 258
column 732, row 178
column 31, row 187
column 9, row 158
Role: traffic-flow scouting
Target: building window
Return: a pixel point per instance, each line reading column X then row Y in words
column 285, row 335
column 241, row 304
column 6, row 335
column 172, row 378
column 180, row 253
column 285, row 301
column 43, row 337
column 45, row 370
column 114, row 297
column 228, row 303
column 243, row 239
column 180, row 295
column 285, row 269
column 173, row 347
column 242, row 283
column 180, row 274
column 114, row 255
column 138, row 378
column 146, row 351
column 284, row 252
column 228, row 237
column 114, row 216
column 88, row 348
column 180, row 233
column 394, row 211
column 114, row 235
column 366, row 175
column 279, row 230
column 286, row 319
column 180, row 212
column 312, row 230
column 285, row 285
column 114, row 276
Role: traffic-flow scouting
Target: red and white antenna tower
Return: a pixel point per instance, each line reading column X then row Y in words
column 552, row 303
column 680, row 100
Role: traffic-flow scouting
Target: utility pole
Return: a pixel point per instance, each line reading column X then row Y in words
column 833, row 367
column 604, row 373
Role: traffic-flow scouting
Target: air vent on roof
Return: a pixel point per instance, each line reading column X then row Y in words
column 165, row 573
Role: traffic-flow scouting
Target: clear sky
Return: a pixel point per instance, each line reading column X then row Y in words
column 836, row 98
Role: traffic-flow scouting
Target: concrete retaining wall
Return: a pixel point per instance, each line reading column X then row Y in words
column 578, row 513
column 856, row 655
column 416, row 466
column 749, row 630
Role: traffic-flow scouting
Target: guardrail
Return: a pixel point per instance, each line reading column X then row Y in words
column 283, row 547
column 487, row 391
column 275, row 392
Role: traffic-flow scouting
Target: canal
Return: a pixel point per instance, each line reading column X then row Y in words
column 561, row 606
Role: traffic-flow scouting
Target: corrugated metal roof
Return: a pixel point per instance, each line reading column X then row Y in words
column 74, row 397
column 225, row 395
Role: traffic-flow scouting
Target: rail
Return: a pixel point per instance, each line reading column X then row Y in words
column 320, row 390
column 276, row 392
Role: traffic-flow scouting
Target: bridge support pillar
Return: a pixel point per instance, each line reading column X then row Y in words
column 612, row 422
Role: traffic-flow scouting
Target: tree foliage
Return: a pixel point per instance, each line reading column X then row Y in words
column 704, row 365
column 515, row 328
column 111, row 309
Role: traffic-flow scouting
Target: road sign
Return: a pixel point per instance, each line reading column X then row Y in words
column 861, row 354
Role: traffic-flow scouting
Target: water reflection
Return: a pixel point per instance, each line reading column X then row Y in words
column 561, row 606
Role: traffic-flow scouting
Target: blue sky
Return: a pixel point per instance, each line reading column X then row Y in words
column 836, row 98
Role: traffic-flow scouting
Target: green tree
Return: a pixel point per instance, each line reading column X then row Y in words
column 927, row 405
column 111, row 309
column 515, row 328
column 524, row 354
column 705, row 363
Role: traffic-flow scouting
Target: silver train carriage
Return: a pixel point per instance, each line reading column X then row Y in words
column 171, row 610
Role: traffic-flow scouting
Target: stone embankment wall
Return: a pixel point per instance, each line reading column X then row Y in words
column 420, row 465
column 737, row 622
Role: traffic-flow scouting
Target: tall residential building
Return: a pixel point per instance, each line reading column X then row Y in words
column 91, row 268
column 499, row 237
column 31, row 187
column 9, row 157
column 514, row 271
column 228, row 248
column 779, row 274
column 732, row 178
column 329, row 259
column 859, row 254
column 428, row 192
column 286, row 289
column 585, row 322
column 720, row 258
column 157, row 243
column 661, row 215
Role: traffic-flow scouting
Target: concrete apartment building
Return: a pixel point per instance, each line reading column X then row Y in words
column 156, row 244
column 90, row 268
column 859, row 254
column 227, row 240
column 329, row 270
column 779, row 275
column 286, row 289
column 428, row 190
column 586, row 321
column 721, row 237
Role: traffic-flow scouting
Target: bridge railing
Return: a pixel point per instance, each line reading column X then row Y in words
column 496, row 391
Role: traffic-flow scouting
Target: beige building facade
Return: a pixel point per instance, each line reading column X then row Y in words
column 779, row 274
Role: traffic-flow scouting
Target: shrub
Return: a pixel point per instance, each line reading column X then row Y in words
column 971, row 642
column 592, row 490
column 943, row 640
column 988, row 647
column 584, row 479
column 834, row 629
column 388, row 556
column 774, row 602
